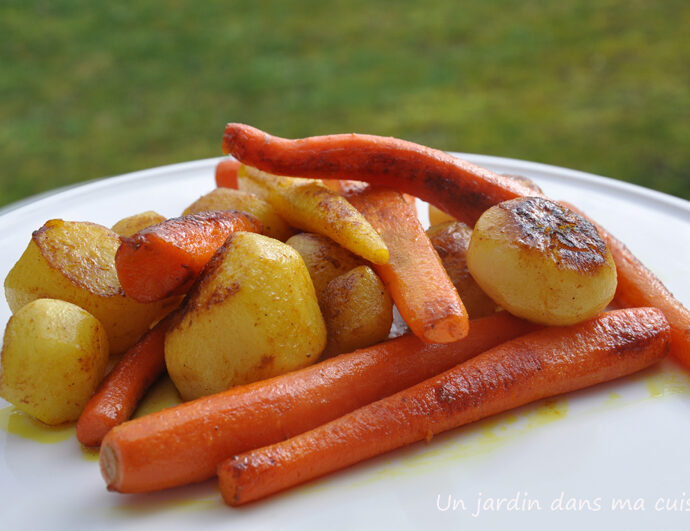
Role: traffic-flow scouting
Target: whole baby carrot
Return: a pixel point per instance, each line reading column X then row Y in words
column 226, row 173
column 165, row 259
column 414, row 275
column 638, row 286
column 544, row 363
column 120, row 392
column 184, row 444
column 457, row 187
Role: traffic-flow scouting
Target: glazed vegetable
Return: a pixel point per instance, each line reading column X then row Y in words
column 184, row 444
column 414, row 275
column 548, row 362
column 252, row 315
column 541, row 261
column 165, row 259
column 119, row 394
column 53, row 355
column 459, row 188
column 638, row 286
column 357, row 309
column 226, row 173
column 309, row 205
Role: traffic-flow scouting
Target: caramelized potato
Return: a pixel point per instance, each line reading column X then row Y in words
column 252, row 315
column 451, row 240
column 229, row 199
column 541, row 261
column 324, row 258
column 357, row 309
column 75, row 262
column 133, row 224
column 54, row 355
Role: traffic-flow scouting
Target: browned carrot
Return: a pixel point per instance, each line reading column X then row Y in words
column 184, row 444
column 414, row 274
column 541, row 364
column 165, row 259
column 457, row 187
column 346, row 187
column 638, row 286
column 226, row 173
column 120, row 392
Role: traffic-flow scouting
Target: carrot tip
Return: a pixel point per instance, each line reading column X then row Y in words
column 447, row 330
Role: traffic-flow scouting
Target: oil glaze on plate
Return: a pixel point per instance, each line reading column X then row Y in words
column 613, row 456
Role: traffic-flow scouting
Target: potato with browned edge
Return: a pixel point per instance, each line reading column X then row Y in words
column 132, row 224
column 325, row 259
column 229, row 199
column 451, row 240
column 54, row 355
column 542, row 261
column 74, row 261
column 253, row 314
column 358, row 311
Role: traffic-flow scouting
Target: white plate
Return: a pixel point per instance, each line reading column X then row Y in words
column 625, row 440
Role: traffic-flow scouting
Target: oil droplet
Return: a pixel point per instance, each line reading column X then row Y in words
column 163, row 394
column 16, row 422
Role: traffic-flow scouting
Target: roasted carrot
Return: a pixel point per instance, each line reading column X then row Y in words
column 638, row 286
column 120, row 392
column 346, row 187
column 226, row 173
column 457, row 187
column 184, row 444
column 165, row 259
column 544, row 363
column 414, row 274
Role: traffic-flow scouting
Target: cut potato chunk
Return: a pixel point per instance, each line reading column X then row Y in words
column 229, row 199
column 451, row 240
column 324, row 258
column 75, row 262
column 252, row 315
column 358, row 311
column 132, row 224
column 541, row 261
column 54, row 355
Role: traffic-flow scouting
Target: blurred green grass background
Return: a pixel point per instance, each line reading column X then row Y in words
column 92, row 89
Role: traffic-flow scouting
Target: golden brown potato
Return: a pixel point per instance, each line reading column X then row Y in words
column 324, row 258
column 229, row 199
column 75, row 262
column 133, row 224
column 451, row 240
column 541, row 261
column 54, row 355
column 252, row 315
column 357, row 309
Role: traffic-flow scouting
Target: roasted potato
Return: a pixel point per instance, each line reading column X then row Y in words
column 324, row 258
column 133, row 224
column 75, row 262
column 252, row 315
column 357, row 309
column 229, row 199
column 54, row 355
column 451, row 240
column 541, row 261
